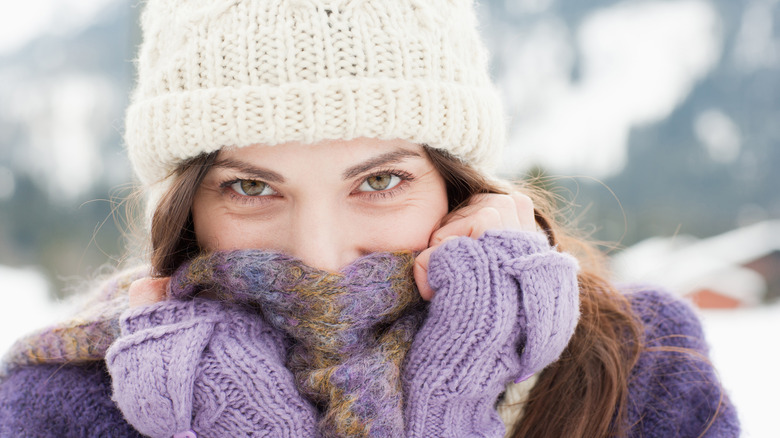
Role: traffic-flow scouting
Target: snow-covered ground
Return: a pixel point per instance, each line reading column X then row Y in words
column 744, row 349
column 742, row 344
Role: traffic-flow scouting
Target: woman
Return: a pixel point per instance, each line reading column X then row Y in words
column 330, row 256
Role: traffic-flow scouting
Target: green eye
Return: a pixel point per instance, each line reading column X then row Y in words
column 380, row 182
column 250, row 187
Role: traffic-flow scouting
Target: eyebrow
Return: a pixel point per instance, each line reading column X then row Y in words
column 255, row 172
column 389, row 157
column 271, row 176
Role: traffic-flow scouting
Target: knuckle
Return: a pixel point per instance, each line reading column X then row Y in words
column 503, row 201
column 488, row 215
column 500, row 202
column 522, row 200
column 495, row 200
column 478, row 198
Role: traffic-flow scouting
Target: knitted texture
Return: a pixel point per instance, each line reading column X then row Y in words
column 212, row 367
column 351, row 329
column 671, row 394
column 217, row 73
column 688, row 400
column 494, row 294
column 61, row 401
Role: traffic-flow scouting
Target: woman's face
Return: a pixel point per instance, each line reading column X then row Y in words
column 326, row 204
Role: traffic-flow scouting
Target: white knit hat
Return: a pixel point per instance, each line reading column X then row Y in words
column 215, row 73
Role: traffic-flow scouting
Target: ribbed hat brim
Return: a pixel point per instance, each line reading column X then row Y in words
column 176, row 126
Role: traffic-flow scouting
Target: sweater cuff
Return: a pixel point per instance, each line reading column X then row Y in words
column 506, row 279
column 509, row 244
column 169, row 312
column 472, row 323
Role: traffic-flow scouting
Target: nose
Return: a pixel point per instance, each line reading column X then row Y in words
column 321, row 238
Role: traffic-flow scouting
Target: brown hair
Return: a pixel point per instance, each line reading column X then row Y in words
column 172, row 232
column 583, row 394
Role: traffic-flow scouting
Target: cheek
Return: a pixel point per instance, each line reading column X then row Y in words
column 412, row 235
column 411, row 230
column 218, row 229
column 210, row 228
column 223, row 232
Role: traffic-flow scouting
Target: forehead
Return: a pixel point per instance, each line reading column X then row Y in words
column 344, row 151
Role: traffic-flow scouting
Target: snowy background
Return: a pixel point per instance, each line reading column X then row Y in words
column 661, row 114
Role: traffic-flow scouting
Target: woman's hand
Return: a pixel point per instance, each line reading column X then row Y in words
column 149, row 290
column 484, row 212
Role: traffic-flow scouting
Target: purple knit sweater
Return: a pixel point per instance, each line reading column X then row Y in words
column 505, row 307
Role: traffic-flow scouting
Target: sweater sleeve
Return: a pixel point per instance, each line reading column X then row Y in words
column 505, row 306
column 60, row 401
column 674, row 388
column 205, row 366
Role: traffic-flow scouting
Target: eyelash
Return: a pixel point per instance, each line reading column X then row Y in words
column 405, row 177
column 243, row 199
